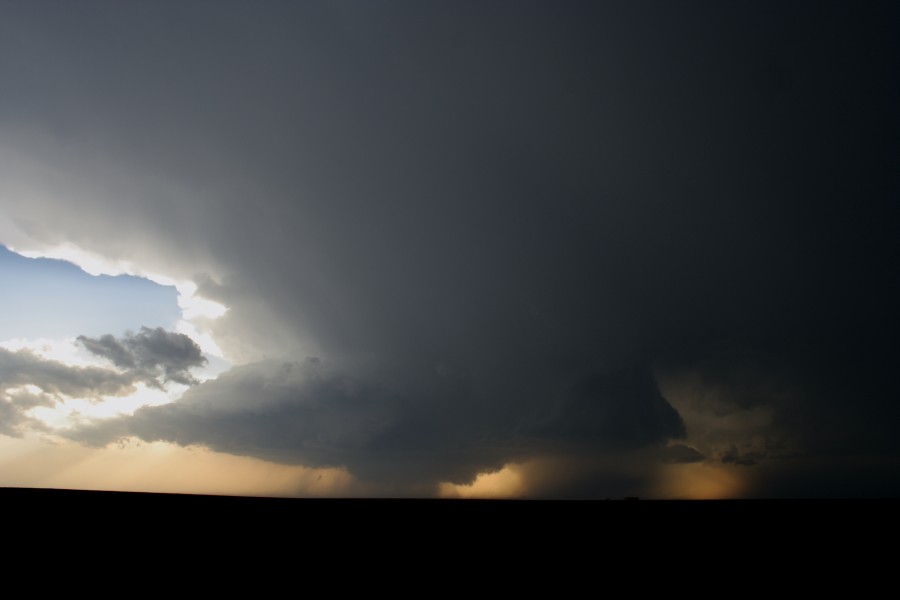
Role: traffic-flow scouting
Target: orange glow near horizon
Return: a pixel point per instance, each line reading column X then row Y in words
column 699, row 481
column 505, row 483
column 541, row 477
column 160, row 467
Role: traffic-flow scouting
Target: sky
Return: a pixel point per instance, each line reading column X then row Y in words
column 451, row 249
column 48, row 298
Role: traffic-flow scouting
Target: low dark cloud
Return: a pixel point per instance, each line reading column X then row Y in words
column 793, row 408
column 154, row 356
column 441, row 430
column 679, row 453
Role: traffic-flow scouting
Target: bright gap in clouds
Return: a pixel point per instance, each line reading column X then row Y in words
column 55, row 299
column 64, row 315
column 54, row 296
column 111, row 295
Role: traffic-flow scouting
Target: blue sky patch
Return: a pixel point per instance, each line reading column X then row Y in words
column 48, row 298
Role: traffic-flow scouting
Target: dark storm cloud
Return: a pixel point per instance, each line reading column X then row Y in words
column 679, row 453
column 485, row 216
column 441, row 430
column 154, row 356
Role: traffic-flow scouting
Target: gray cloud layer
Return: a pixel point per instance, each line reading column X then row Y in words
column 385, row 431
column 154, row 356
column 486, row 220
column 24, row 368
column 21, row 368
